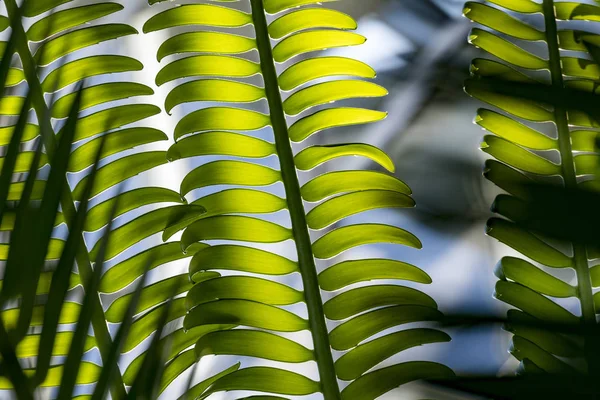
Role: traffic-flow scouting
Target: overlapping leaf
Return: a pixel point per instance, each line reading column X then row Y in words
column 523, row 151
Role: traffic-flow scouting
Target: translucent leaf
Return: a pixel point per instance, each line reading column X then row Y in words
column 320, row 67
column 343, row 206
column 227, row 172
column 354, row 271
column 309, row 18
column 239, row 258
column 328, row 92
column 361, row 299
column 197, row 14
column 247, row 313
column 205, row 42
column 220, row 143
column 314, row 156
column 249, row 343
column 331, row 118
column 305, row 42
column 347, row 237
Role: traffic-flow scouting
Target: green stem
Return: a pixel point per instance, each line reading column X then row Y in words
column 101, row 332
column 580, row 262
column 306, row 261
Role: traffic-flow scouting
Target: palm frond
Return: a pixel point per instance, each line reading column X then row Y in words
column 100, row 123
column 523, row 144
column 221, row 309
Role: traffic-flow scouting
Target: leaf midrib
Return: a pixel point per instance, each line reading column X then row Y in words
column 306, row 260
column 580, row 263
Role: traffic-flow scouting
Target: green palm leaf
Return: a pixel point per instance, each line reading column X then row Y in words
column 528, row 287
column 237, row 300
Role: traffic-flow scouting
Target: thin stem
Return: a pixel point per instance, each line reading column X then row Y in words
column 101, row 332
column 306, row 261
column 569, row 175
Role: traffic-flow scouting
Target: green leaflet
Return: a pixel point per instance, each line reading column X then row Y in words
column 331, row 118
column 327, row 92
column 507, row 178
column 354, row 331
column 305, row 42
column 227, row 172
column 359, row 360
column 207, row 65
column 533, row 303
column 178, row 341
column 46, row 278
column 523, row 6
column 505, row 50
column 144, row 326
column 265, row 379
column 244, row 312
column 320, row 67
column 115, row 142
column 526, row 243
column 112, row 118
column 362, row 299
column 376, row 383
column 205, row 42
column 55, row 246
column 336, row 182
column 514, row 131
column 83, row 68
column 275, row 6
column 24, row 160
column 507, row 152
column 145, row 226
column 314, row 156
column 577, row 11
column 501, row 22
column 342, row 239
column 522, row 348
column 151, row 296
column 220, row 143
column 11, row 105
column 199, row 388
column 29, row 346
column 62, row 20
column 88, row 373
column 213, row 90
column 354, row 271
column 121, row 169
column 232, row 201
column 175, row 368
column 584, row 140
column 333, row 210
column 239, row 258
column 230, row 227
column 220, row 118
column 521, row 108
column 252, row 344
column 98, row 216
column 69, row 314
column 521, row 324
column 307, row 18
column 197, row 14
column 484, row 68
column 99, row 94
column 243, row 287
column 528, row 275
column 64, row 44
column 35, row 8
